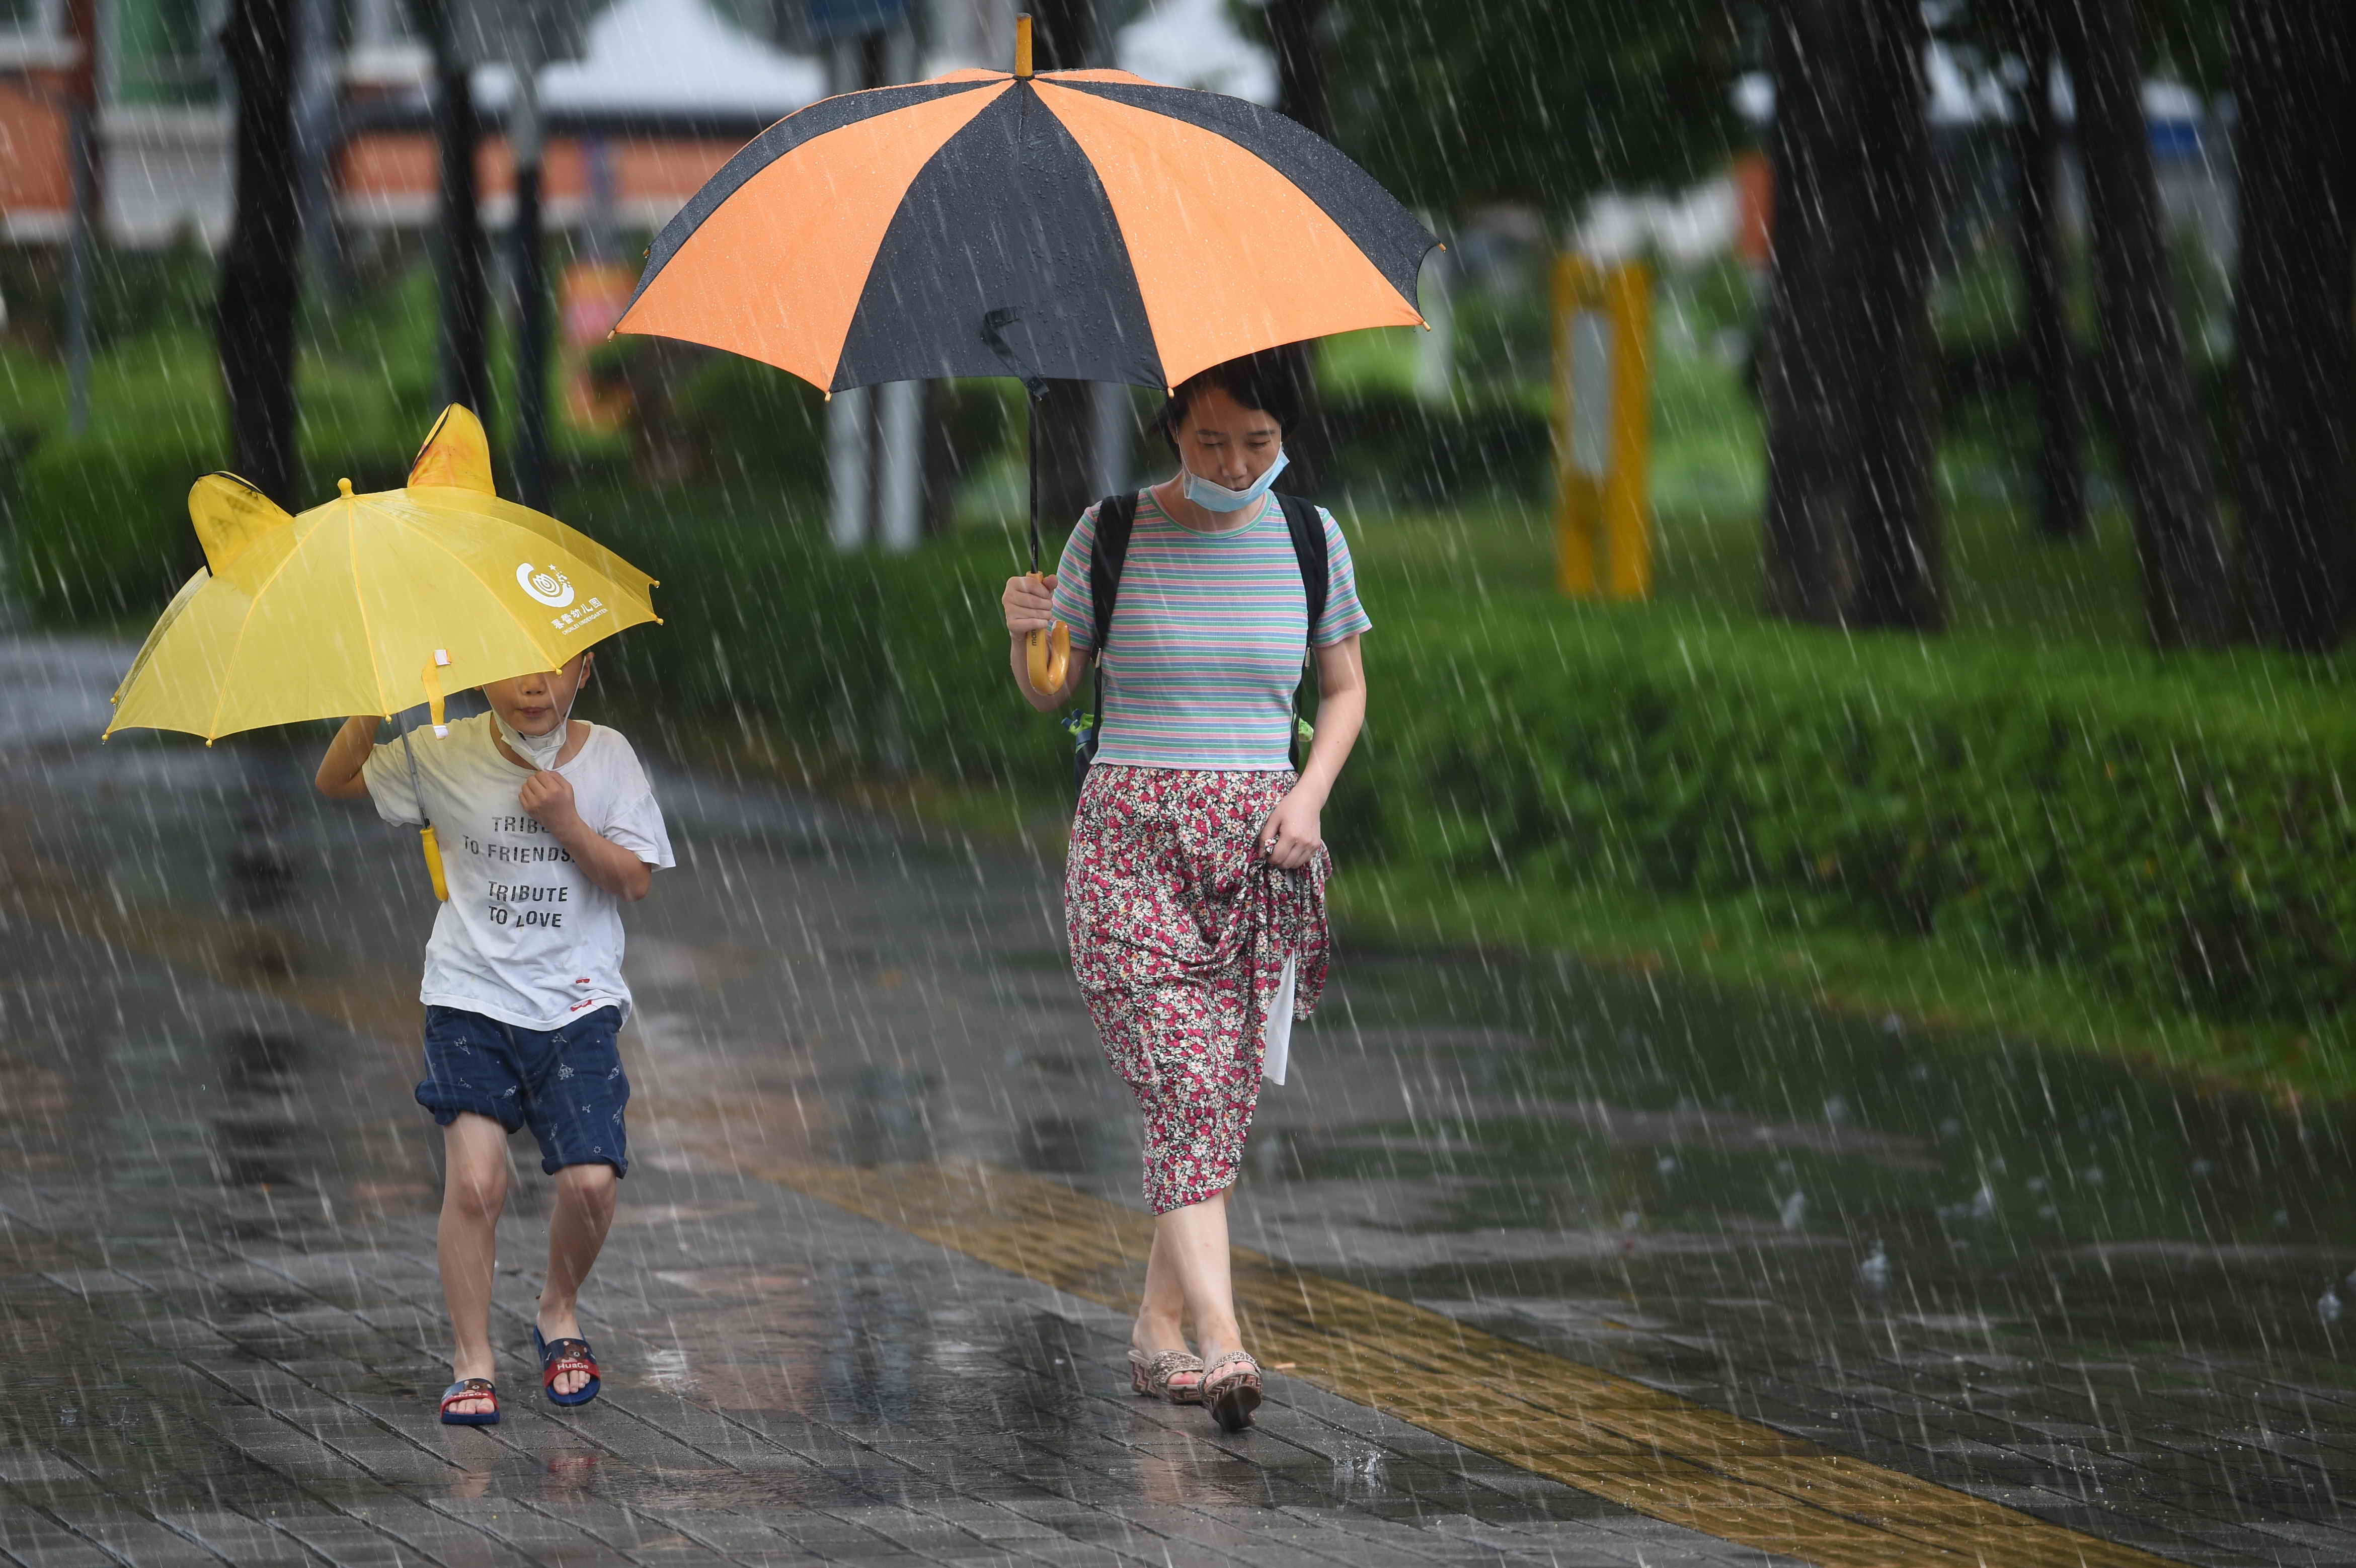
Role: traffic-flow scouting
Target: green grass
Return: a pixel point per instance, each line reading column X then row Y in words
column 365, row 377
column 1935, row 983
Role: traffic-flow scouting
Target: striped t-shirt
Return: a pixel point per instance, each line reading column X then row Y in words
column 1207, row 633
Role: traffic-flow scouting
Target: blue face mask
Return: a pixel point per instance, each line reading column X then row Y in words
column 1218, row 498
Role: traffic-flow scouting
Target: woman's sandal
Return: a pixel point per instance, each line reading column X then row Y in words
column 558, row 1357
column 1155, row 1376
column 470, row 1388
column 1233, row 1398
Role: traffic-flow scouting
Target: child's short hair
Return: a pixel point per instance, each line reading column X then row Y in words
column 1263, row 381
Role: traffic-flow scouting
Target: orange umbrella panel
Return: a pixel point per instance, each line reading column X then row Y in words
column 1088, row 225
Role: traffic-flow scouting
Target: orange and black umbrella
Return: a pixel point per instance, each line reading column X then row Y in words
column 1088, row 225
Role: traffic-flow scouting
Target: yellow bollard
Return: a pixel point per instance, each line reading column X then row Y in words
column 1602, row 428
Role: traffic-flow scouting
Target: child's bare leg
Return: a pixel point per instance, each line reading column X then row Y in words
column 576, row 1233
column 474, row 1191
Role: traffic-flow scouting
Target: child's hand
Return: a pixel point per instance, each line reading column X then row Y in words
column 548, row 796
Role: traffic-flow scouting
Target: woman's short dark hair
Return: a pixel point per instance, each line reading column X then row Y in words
column 1263, row 381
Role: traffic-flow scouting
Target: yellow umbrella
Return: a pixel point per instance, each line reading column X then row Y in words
column 374, row 603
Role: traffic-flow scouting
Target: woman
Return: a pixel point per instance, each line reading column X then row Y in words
column 1197, row 866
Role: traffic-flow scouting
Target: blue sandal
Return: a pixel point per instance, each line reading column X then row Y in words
column 558, row 1357
column 470, row 1388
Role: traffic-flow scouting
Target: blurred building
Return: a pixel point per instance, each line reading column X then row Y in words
column 665, row 92
column 1971, row 104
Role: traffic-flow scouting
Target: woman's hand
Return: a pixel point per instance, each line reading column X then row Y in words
column 1030, row 604
column 1292, row 833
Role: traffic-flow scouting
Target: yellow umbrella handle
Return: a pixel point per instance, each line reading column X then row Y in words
column 434, row 863
column 1049, row 653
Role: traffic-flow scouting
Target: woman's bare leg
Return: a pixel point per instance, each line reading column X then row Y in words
column 1189, row 1265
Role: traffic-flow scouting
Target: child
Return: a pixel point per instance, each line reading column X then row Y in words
column 547, row 826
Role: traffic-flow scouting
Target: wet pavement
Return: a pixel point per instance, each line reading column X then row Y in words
column 1571, row 1267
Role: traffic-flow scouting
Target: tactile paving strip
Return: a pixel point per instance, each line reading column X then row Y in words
column 1638, row 1446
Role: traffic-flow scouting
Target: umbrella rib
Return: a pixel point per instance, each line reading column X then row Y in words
column 488, row 587
column 212, row 730
column 360, row 601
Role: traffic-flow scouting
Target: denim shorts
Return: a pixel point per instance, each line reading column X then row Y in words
column 565, row 1084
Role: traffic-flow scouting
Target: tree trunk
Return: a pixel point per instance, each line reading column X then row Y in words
column 1064, row 39
column 458, row 225
column 1295, row 28
column 526, row 265
column 2163, row 448
column 1894, row 517
column 1808, row 570
column 1850, row 535
column 2044, row 316
column 2293, row 61
column 254, row 315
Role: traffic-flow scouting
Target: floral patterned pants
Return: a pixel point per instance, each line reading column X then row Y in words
column 1180, row 930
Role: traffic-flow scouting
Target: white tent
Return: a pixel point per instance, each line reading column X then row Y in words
column 1195, row 43
column 667, row 57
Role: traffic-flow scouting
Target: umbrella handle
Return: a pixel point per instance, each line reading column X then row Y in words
column 434, row 863
column 1049, row 654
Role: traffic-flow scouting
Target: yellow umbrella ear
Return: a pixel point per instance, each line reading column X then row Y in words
column 457, row 454
column 229, row 515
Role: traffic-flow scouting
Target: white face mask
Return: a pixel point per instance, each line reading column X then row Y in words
column 540, row 750
column 1211, row 496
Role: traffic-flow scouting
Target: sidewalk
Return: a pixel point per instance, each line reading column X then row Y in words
column 863, row 1299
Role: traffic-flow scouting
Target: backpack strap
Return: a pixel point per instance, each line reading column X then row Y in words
column 1302, row 521
column 1307, row 526
column 1116, row 519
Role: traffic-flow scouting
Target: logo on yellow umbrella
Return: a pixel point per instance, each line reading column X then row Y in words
column 546, row 584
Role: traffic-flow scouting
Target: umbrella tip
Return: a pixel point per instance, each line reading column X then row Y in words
column 343, row 486
column 1022, row 44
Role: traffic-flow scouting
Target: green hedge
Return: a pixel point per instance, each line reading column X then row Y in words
column 1391, row 444
column 98, row 530
column 2162, row 835
column 2152, row 827
column 881, row 661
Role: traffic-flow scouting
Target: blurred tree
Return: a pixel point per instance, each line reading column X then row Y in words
column 2036, row 145
column 1066, row 35
column 458, row 221
column 254, row 312
column 2163, row 445
column 1297, row 32
column 1851, row 527
column 2294, row 61
column 1538, row 101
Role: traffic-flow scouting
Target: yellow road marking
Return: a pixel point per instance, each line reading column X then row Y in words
column 1654, row 1452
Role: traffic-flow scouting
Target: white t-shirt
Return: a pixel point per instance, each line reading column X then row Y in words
column 526, row 937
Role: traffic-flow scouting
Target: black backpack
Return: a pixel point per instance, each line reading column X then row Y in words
column 1116, row 516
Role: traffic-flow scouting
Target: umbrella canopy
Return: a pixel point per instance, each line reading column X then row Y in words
column 1088, row 224
column 374, row 603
